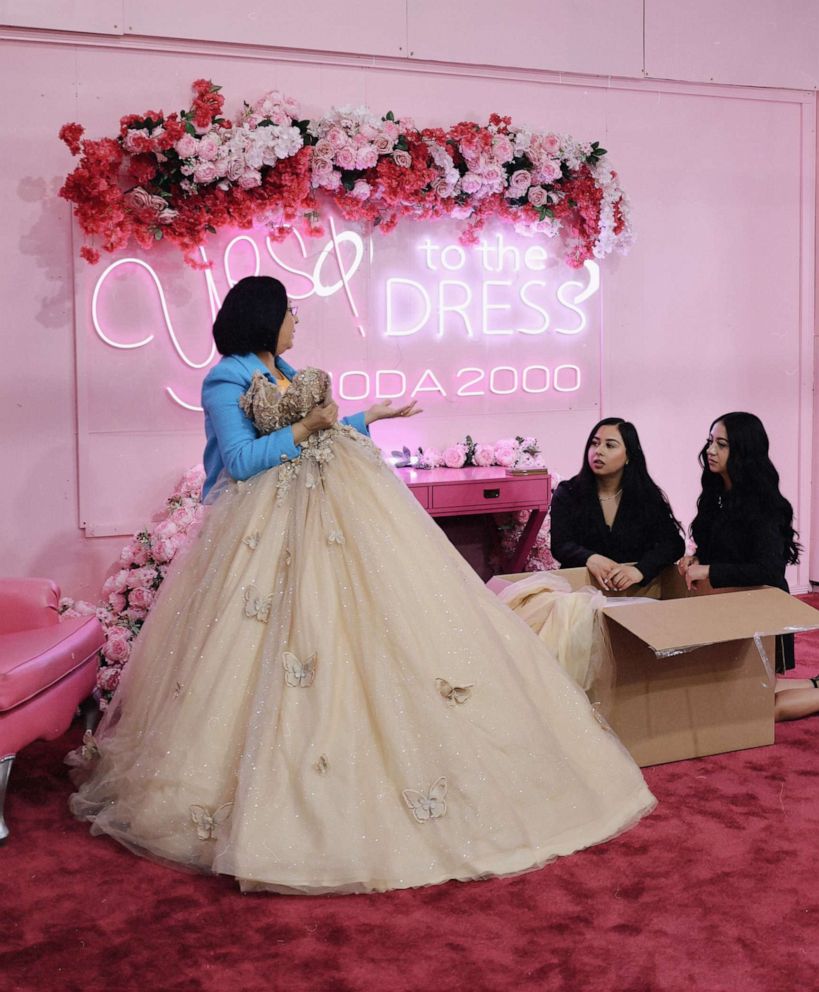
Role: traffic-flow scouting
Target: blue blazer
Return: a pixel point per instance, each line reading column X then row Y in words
column 232, row 442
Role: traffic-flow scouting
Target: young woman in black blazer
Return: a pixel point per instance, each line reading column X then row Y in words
column 612, row 514
column 744, row 534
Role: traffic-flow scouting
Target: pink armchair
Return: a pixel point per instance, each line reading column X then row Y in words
column 47, row 668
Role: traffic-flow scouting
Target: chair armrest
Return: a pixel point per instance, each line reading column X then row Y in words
column 26, row 604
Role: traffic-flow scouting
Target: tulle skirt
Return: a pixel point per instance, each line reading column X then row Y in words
column 326, row 698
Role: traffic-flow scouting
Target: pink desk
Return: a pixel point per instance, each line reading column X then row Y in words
column 449, row 492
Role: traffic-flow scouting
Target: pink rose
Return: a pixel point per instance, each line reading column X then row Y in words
column 470, row 183
column 321, row 167
column 142, row 577
column 141, row 598
column 538, row 196
column 402, row 159
column 205, row 172
column 551, row 144
column 134, row 138
column 345, row 157
column 116, row 649
column 117, row 601
column 366, row 157
column 336, row 137
column 135, row 614
column 368, row 131
column 208, row 148
column 361, row 190
column 249, row 179
column 549, row 171
column 493, row 175
column 383, row 144
column 183, row 516
column 323, row 149
column 506, row 453
column 484, row 455
column 186, row 146
column 390, row 129
column 117, row 582
column 163, row 549
column 164, row 528
column 455, row 456
column 519, row 182
column 108, row 677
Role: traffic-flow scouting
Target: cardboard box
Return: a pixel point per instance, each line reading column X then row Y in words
column 684, row 677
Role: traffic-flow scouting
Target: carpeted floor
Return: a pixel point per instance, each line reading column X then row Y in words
column 714, row 892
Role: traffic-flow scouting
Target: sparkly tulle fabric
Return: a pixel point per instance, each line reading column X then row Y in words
column 326, row 698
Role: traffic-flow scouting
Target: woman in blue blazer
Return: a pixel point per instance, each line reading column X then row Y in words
column 326, row 697
column 245, row 335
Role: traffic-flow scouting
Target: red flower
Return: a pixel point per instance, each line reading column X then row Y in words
column 71, row 134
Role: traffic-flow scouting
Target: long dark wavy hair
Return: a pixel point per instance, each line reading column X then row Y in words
column 640, row 491
column 251, row 316
column 754, row 482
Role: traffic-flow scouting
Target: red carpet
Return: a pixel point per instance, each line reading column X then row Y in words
column 714, row 892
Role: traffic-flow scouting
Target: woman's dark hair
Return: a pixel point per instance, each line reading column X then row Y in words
column 251, row 316
column 754, row 482
column 639, row 489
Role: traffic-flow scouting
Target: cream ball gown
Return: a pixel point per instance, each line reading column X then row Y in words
column 326, row 698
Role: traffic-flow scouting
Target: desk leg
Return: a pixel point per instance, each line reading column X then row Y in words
column 527, row 539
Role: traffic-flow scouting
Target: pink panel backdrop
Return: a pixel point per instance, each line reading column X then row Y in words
column 708, row 313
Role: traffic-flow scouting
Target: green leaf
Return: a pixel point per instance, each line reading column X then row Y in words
column 157, row 235
column 189, row 128
column 265, row 123
column 390, row 116
column 210, row 228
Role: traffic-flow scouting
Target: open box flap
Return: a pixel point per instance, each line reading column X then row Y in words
column 683, row 624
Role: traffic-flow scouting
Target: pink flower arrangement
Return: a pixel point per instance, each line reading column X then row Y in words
column 517, row 452
column 180, row 176
column 510, row 528
column 130, row 590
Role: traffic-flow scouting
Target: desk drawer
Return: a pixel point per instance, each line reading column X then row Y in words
column 494, row 494
column 421, row 493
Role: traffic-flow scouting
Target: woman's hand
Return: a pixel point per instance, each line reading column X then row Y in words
column 385, row 411
column 600, row 568
column 623, row 576
column 684, row 562
column 696, row 573
column 318, row 419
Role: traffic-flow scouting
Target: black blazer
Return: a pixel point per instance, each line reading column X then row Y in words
column 743, row 547
column 646, row 535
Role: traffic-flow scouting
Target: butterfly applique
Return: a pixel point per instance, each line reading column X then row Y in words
column 299, row 674
column 322, row 764
column 90, row 748
column 207, row 822
column 252, row 540
column 258, row 606
column 454, row 694
column 335, row 537
column 427, row 805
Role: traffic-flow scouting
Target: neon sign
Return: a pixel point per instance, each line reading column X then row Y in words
column 429, row 319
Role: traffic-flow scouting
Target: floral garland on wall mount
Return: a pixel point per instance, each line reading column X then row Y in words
column 180, row 177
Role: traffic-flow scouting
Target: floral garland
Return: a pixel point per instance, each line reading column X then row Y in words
column 129, row 592
column 180, row 176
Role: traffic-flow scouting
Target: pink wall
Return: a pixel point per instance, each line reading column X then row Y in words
column 711, row 311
